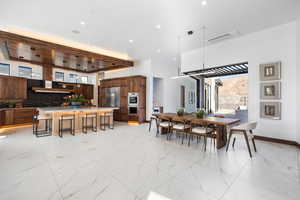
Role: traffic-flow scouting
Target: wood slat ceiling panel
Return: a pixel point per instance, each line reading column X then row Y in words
column 45, row 53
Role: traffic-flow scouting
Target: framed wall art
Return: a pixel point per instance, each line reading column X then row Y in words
column 270, row 71
column 270, row 110
column 270, row 91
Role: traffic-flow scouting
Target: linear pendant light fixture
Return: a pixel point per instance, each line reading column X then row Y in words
column 180, row 74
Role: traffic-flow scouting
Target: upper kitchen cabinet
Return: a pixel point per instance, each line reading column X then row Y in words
column 86, row 90
column 12, row 88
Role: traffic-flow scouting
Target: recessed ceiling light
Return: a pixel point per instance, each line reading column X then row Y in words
column 204, row 3
column 131, row 41
column 158, row 50
column 158, row 26
column 82, row 23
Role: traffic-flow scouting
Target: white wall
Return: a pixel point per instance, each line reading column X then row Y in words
column 37, row 70
column 171, row 87
column 275, row 44
column 298, row 80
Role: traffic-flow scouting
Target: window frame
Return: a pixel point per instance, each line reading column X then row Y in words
column 63, row 79
column 24, row 67
column 75, row 79
column 87, row 79
column 9, row 70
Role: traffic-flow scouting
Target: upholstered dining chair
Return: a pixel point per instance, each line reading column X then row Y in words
column 180, row 126
column 164, row 123
column 201, row 129
column 246, row 130
column 153, row 118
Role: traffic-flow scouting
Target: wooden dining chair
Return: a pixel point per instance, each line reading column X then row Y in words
column 163, row 123
column 180, row 126
column 246, row 130
column 201, row 129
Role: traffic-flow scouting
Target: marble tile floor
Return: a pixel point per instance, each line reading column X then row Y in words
column 129, row 163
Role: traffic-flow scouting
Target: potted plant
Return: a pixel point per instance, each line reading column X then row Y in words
column 11, row 104
column 200, row 113
column 76, row 100
column 180, row 112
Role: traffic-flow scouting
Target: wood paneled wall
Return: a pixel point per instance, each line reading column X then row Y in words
column 48, row 73
column 126, row 84
column 13, row 88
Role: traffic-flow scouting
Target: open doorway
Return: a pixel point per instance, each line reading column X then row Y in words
column 229, row 96
column 223, row 90
column 157, row 97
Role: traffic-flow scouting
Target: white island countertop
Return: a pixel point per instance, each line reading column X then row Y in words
column 75, row 109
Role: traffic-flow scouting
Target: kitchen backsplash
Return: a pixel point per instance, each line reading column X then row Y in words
column 35, row 99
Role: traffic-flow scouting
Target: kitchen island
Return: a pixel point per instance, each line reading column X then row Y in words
column 57, row 112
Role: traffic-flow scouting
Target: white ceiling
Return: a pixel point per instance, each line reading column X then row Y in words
column 111, row 24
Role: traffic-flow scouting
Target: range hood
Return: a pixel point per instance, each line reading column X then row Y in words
column 52, row 90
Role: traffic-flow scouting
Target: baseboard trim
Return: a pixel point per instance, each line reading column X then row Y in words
column 276, row 140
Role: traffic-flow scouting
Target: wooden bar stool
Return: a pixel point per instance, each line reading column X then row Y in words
column 246, row 130
column 48, row 125
column 105, row 119
column 71, row 119
column 84, row 122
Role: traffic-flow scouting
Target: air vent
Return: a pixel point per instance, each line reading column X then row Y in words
column 224, row 36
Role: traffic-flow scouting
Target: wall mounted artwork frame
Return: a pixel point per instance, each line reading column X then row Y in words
column 270, row 110
column 270, row 71
column 270, row 91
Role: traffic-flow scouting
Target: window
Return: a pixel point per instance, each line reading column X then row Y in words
column 25, row 72
column 4, row 69
column 73, row 78
column 59, row 76
column 84, row 79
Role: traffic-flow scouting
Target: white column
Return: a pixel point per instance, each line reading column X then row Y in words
column 298, row 80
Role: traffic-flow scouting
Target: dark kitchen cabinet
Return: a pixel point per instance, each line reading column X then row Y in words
column 83, row 89
column 22, row 116
column 2, row 117
column 126, row 84
column 15, row 116
column 13, row 88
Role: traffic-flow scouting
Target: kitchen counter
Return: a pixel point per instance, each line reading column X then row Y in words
column 57, row 112
column 50, row 110
column 22, row 108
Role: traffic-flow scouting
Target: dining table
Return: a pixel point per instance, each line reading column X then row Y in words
column 221, row 124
